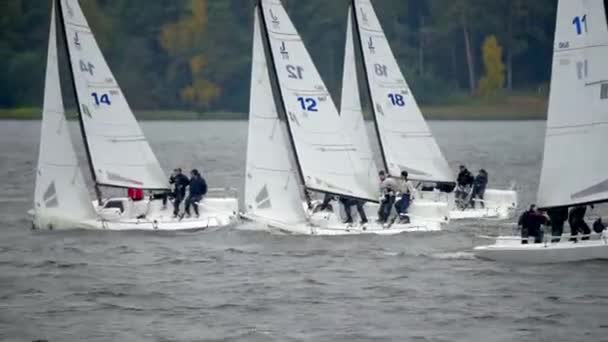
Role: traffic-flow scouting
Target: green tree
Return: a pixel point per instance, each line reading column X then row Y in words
column 494, row 78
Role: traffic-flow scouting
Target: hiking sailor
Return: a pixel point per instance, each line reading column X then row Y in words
column 557, row 216
column 348, row 203
column 530, row 223
column 464, row 181
column 479, row 188
column 407, row 191
column 388, row 186
column 180, row 182
column 198, row 189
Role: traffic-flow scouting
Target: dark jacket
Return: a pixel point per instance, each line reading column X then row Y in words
column 481, row 181
column 465, row 178
column 558, row 215
column 198, row 186
column 180, row 182
column 577, row 214
column 532, row 221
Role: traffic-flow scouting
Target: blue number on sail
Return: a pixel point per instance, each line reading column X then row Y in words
column 581, row 24
column 308, row 104
column 397, row 99
column 104, row 98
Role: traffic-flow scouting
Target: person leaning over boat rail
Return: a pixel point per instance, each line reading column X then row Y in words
column 576, row 219
column 406, row 191
column 479, row 188
column 388, row 188
column 464, row 181
column 530, row 223
column 198, row 189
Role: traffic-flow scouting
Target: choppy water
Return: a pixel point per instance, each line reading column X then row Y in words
column 237, row 285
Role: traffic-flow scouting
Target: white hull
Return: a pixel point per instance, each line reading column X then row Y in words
column 425, row 216
column 510, row 249
column 146, row 216
column 498, row 204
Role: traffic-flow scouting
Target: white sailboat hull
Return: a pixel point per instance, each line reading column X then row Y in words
column 510, row 249
column 145, row 215
column 425, row 216
column 498, row 204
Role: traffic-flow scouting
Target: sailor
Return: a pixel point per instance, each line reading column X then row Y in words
column 388, row 187
column 464, row 181
column 598, row 226
column 558, row 217
column 530, row 223
column 198, row 189
column 407, row 191
column 180, row 182
column 577, row 223
column 479, row 188
column 326, row 205
column 348, row 203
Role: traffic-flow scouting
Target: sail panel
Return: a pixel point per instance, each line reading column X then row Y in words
column 407, row 142
column 327, row 157
column 574, row 170
column 60, row 189
column 118, row 150
column 272, row 187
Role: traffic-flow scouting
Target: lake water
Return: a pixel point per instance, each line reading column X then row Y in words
column 242, row 285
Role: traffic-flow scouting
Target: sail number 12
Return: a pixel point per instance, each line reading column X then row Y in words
column 101, row 99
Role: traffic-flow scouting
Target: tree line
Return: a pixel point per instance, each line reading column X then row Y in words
column 195, row 54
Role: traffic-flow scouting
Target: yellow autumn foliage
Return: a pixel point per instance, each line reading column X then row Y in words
column 494, row 78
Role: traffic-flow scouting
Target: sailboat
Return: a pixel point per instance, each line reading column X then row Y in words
column 118, row 153
column 297, row 144
column 405, row 140
column 573, row 170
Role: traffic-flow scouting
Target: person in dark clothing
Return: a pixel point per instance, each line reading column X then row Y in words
column 479, row 188
column 388, row 188
column 577, row 223
column 445, row 187
column 326, row 205
column 464, row 182
column 598, row 226
column 530, row 223
column 179, row 182
column 348, row 203
column 558, row 217
column 198, row 189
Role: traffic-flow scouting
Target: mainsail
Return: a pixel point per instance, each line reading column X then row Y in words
column 351, row 112
column 326, row 156
column 405, row 139
column 574, row 170
column 118, row 152
column 60, row 188
column 272, row 187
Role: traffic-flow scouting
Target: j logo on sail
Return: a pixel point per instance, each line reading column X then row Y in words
column 284, row 52
column 77, row 40
column 262, row 200
column 50, row 197
column 370, row 45
column 275, row 19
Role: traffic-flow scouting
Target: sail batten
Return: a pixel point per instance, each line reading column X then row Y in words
column 404, row 137
column 314, row 125
column 118, row 153
column 573, row 171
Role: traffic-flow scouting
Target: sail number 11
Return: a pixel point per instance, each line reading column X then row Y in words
column 581, row 24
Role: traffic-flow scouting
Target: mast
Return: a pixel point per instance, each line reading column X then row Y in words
column 359, row 51
column 281, row 109
column 78, row 104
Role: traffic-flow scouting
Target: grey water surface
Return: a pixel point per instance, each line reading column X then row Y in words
column 242, row 285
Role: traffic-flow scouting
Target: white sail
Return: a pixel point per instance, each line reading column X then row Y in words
column 119, row 152
column 574, row 169
column 60, row 189
column 351, row 112
column 405, row 138
column 326, row 155
column 272, row 184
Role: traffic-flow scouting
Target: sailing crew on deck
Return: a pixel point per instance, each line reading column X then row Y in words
column 198, row 189
column 348, row 203
column 180, row 182
column 407, row 191
column 557, row 216
column 479, row 188
column 464, row 181
column 388, row 187
column 530, row 223
column 576, row 219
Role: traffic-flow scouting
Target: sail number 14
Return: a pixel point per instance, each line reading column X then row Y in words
column 101, row 99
